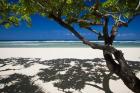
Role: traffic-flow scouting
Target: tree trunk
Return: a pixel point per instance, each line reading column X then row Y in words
column 122, row 70
column 106, row 83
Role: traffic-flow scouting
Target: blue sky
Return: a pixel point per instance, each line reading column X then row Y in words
column 46, row 29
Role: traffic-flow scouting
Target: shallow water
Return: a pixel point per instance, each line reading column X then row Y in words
column 63, row 44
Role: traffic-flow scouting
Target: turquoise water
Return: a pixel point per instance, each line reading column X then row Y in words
column 60, row 44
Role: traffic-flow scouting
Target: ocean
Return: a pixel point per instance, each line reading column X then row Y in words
column 60, row 44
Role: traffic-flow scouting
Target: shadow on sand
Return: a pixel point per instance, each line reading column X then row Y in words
column 18, row 83
column 68, row 75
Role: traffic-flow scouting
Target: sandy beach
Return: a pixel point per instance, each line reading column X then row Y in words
column 33, row 66
column 53, row 53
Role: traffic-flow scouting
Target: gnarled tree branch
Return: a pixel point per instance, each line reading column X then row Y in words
column 100, row 36
column 105, row 30
column 94, row 31
column 91, row 44
column 138, row 6
column 114, row 29
column 89, row 22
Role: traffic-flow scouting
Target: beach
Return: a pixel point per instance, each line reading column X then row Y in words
column 36, row 62
column 53, row 53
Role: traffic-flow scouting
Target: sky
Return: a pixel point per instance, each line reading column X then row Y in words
column 47, row 29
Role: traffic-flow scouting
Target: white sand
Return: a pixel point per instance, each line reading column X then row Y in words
column 79, row 53
column 53, row 53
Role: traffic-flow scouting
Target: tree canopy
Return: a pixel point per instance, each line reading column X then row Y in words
column 69, row 10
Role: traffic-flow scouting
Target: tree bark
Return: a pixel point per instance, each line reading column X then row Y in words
column 106, row 83
column 122, row 70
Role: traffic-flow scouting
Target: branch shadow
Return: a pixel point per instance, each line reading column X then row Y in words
column 67, row 75
column 25, row 62
column 18, row 83
column 76, row 74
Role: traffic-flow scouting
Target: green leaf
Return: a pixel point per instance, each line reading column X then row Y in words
column 69, row 1
column 84, row 24
column 43, row 14
column 14, row 20
column 7, row 25
column 27, row 19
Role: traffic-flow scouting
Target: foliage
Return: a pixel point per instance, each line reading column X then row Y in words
column 11, row 13
column 127, row 8
column 14, row 11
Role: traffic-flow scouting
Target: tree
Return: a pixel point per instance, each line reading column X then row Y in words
column 12, row 14
column 89, row 13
